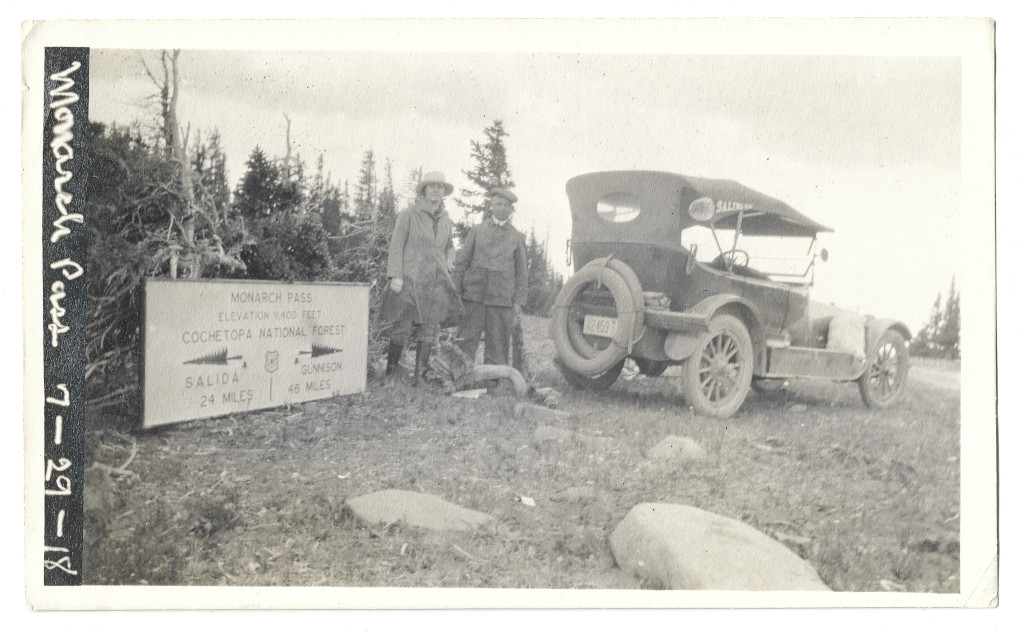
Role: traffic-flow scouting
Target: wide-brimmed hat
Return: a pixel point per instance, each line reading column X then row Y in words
column 434, row 177
column 505, row 193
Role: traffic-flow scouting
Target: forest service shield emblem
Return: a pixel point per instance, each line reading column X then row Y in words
column 271, row 364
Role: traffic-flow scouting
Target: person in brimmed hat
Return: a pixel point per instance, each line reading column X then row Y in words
column 421, row 293
column 490, row 274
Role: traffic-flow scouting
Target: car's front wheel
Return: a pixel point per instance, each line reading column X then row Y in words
column 885, row 379
column 716, row 378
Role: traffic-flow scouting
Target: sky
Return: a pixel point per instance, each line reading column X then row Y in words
column 870, row 146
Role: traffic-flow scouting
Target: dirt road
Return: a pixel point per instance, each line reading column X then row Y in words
column 944, row 376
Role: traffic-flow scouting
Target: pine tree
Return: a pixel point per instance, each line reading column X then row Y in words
column 330, row 210
column 948, row 337
column 259, row 194
column 543, row 282
column 210, row 178
column 294, row 186
column 366, row 188
column 317, row 190
column 491, row 169
column 213, row 176
column 387, row 200
column 940, row 337
column 345, row 203
column 410, row 185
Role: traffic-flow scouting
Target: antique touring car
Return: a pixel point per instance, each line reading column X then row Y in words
column 644, row 289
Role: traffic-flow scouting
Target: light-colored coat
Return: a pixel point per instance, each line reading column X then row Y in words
column 420, row 252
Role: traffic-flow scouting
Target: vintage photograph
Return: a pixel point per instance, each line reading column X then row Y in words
column 646, row 318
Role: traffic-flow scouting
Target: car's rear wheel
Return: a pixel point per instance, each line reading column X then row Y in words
column 597, row 382
column 716, row 378
column 885, row 380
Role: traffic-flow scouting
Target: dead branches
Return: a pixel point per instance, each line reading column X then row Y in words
column 119, row 471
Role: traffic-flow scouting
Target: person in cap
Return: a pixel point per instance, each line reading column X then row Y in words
column 490, row 274
column 421, row 293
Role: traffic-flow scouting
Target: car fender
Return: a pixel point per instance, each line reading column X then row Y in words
column 877, row 326
column 745, row 311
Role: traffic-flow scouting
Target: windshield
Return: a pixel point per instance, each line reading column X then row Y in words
column 784, row 259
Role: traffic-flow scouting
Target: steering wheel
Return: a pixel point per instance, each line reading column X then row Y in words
column 731, row 258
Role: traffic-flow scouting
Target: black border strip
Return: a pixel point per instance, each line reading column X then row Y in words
column 65, row 153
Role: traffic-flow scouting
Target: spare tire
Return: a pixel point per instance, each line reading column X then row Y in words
column 579, row 342
column 573, row 349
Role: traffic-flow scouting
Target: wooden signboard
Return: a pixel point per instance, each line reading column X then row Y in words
column 214, row 347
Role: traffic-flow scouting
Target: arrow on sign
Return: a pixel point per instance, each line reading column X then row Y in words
column 219, row 357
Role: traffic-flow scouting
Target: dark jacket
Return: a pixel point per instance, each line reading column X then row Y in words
column 421, row 247
column 491, row 267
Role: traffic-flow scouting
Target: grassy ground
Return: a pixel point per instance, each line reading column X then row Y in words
column 871, row 499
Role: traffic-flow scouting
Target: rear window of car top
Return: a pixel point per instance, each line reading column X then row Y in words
column 618, row 207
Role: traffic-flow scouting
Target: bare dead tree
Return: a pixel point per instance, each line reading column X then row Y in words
column 163, row 97
column 187, row 253
column 286, row 172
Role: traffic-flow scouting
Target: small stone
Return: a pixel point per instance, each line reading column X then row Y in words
column 797, row 408
column 415, row 509
column 677, row 448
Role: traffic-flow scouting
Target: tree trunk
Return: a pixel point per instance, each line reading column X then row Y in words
column 179, row 141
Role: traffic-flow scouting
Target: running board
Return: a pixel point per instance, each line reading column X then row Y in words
column 795, row 362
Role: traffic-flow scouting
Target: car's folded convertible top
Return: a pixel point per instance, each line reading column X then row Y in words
column 762, row 215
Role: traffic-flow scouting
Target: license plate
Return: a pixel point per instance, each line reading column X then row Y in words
column 600, row 326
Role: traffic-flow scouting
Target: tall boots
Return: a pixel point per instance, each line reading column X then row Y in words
column 423, row 350
column 395, row 349
column 394, row 355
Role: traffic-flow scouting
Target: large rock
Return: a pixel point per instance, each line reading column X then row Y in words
column 673, row 448
column 415, row 509
column 686, row 548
